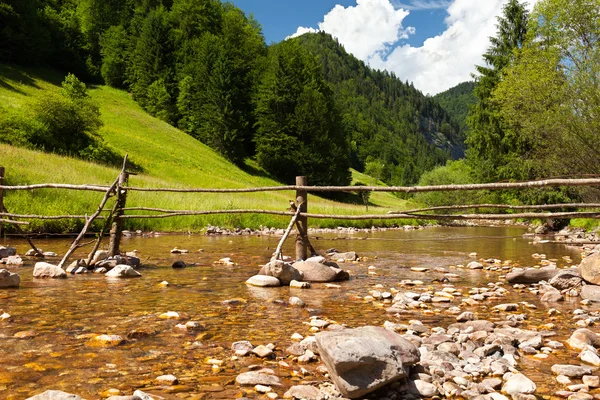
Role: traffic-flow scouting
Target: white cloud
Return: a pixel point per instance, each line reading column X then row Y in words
column 423, row 4
column 371, row 28
column 301, row 31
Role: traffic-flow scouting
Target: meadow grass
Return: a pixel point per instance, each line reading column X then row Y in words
column 166, row 156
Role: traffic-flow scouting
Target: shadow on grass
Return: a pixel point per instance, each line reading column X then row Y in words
column 253, row 170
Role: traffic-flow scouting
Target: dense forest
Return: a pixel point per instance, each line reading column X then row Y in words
column 302, row 106
column 457, row 101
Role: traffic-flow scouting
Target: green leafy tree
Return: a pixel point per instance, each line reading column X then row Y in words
column 298, row 126
column 492, row 154
column 114, row 50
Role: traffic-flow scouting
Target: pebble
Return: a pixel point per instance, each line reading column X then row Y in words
column 167, row 380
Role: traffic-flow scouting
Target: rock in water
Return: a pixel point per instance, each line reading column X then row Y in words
column 531, row 275
column 590, row 292
column 55, row 395
column 281, row 270
column 364, row 359
column 263, row 281
column 122, row 271
column 7, row 251
column 589, row 268
column 566, row 279
column 45, row 270
column 518, row 384
column 582, row 338
column 316, row 272
column 9, row 279
column 178, row 264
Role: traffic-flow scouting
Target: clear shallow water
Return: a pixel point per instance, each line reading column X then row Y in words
column 60, row 316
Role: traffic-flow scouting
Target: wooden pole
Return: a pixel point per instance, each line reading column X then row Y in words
column 117, row 225
column 1, row 199
column 302, row 221
column 293, row 221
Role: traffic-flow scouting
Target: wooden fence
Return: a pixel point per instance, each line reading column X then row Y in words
column 299, row 216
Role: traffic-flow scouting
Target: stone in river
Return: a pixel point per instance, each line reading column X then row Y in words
column 348, row 256
column 296, row 301
column 572, row 371
column 465, row 316
column 262, row 351
column 7, row 251
column 263, row 281
column 299, row 285
column 122, row 271
column 590, row 357
column 364, row 359
column 507, row 307
column 283, row 271
column 589, row 268
column 124, row 398
column 142, row 395
column 9, row 279
column 242, row 348
column 590, row 292
column 566, row 279
column 107, row 340
column 552, row 295
column 475, row 265
column 592, row 381
column 13, row 260
column 518, row 384
column 45, row 270
column 55, row 395
column 582, row 338
column 303, row 392
column 257, row 378
column 531, row 275
column 167, row 380
column 316, row 272
column 178, row 264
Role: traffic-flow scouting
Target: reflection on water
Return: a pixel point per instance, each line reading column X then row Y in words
column 57, row 318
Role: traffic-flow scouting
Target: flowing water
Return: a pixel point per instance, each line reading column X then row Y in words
column 47, row 343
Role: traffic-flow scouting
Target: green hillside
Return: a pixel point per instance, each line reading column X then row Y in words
column 166, row 156
column 457, row 101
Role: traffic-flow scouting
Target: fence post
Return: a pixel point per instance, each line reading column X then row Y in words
column 302, row 222
column 1, row 199
column 117, row 225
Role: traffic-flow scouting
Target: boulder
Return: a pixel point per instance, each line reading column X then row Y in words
column 45, row 270
column 347, row 256
column 572, row 371
column 9, row 279
column 551, row 295
column 475, row 265
column 517, row 384
column 364, row 359
column 582, row 338
column 99, row 256
column 55, row 395
column 257, row 378
column 263, row 281
column 281, row 270
column 13, row 260
column 528, row 276
column 122, row 271
column 566, row 279
column 178, row 264
column 303, row 392
column 75, row 267
column 316, row 272
column 590, row 292
column 589, row 268
column 7, row 251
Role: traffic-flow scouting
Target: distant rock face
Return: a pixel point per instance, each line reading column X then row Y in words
column 9, row 279
column 531, row 275
column 122, row 271
column 45, row 270
column 316, row 272
column 364, row 359
column 589, row 268
column 283, row 271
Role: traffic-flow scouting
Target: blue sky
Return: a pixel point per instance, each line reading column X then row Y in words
column 433, row 43
column 281, row 18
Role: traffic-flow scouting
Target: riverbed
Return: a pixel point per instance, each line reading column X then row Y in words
column 47, row 343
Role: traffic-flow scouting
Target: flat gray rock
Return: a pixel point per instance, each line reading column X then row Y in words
column 364, row 359
column 281, row 270
column 9, row 279
column 316, row 272
column 45, row 270
column 590, row 292
column 257, row 378
column 55, row 395
column 531, row 275
column 263, row 281
column 572, row 371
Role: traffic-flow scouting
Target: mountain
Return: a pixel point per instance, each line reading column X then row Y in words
column 389, row 121
column 457, row 101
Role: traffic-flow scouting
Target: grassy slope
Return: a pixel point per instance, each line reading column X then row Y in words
column 168, row 157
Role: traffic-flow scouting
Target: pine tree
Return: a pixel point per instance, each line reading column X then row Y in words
column 492, row 153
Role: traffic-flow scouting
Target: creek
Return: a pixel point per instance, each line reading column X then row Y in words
column 60, row 316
